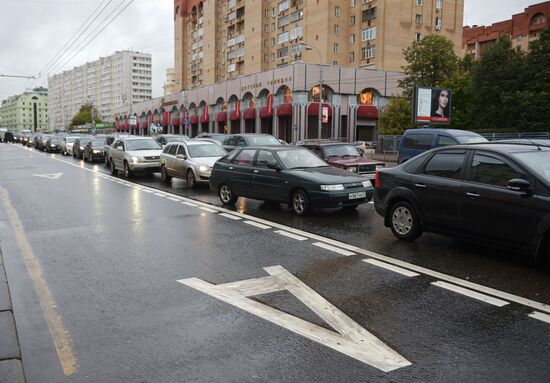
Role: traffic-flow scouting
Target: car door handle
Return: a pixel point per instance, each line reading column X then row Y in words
column 420, row 185
column 473, row 195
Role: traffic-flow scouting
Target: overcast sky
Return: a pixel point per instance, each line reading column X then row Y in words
column 32, row 32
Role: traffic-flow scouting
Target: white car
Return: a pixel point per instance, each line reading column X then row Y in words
column 190, row 160
column 67, row 145
column 134, row 154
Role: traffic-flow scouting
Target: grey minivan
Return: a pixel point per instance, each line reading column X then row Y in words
column 416, row 141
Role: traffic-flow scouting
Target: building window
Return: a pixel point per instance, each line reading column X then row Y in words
column 368, row 52
column 352, row 57
column 419, row 2
column 337, row 11
column 352, row 38
column 368, row 14
column 438, row 23
column 418, row 36
column 438, row 5
column 352, row 3
column 418, row 19
column 352, row 20
column 336, row 29
column 368, row 34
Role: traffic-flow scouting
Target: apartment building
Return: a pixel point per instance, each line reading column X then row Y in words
column 220, row 40
column 111, row 84
column 522, row 28
column 27, row 111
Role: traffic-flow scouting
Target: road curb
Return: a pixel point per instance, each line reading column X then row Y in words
column 11, row 368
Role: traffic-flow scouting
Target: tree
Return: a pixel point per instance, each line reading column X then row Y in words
column 463, row 92
column 431, row 62
column 396, row 117
column 86, row 114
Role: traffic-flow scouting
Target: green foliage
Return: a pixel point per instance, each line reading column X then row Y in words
column 431, row 62
column 86, row 114
column 396, row 117
column 463, row 92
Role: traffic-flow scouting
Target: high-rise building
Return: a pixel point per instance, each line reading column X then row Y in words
column 28, row 111
column 220, row 40
column 522, row 28
column 111, row 84
column 170, row 85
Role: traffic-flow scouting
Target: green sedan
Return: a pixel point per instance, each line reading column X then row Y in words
column 287, row 174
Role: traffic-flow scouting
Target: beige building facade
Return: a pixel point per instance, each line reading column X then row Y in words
column 221, row 40
column 27, row 111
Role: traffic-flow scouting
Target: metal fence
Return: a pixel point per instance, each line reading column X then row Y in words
column 390, row 144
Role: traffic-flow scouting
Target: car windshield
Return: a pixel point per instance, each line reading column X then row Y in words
column 538, row 161
column 54, row 140
column 143, row 144
column 262, row 140
column 176, row 138
column 471, row 139
column 212, row 150
column 300, row 159
column 96, row 143
column 70, row 140
column 341, row 151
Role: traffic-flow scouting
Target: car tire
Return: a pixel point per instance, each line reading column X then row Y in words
column 300, row 203
column 164, row 176
column 226, row 195
column 404, row 221
column 191, row 180
column 113, row 168
column 127, row 173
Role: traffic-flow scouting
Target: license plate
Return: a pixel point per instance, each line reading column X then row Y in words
column 357, row 195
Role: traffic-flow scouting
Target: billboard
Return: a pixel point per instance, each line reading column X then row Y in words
column 431, row 106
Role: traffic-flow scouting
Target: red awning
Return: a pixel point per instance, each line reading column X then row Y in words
column 221, row 117
column 205, row 119
column 194, row 119
column 284, row 110
column 234, row 116
column 367, row 111
column 313, row 109
column 249, row 114
column 266, row 112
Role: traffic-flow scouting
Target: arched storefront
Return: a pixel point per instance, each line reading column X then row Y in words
column 221, row 115
column 249, row 112
column 367, row 115
column 314, row 114
column 283, row 100
column 265, row 102
column 204, row 119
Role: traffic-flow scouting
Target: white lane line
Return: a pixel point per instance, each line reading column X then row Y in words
column 290, row 235
column 471, row 293
column 174, row 199
column 393, row 268
column 148, row 191
column 231, row 216
column 189, row 204
column 258, row 225
column 540, row 316
column 208, row 209
column 333, row 248
column 160, row 194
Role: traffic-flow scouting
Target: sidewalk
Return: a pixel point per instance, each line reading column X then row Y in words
column 11, row 369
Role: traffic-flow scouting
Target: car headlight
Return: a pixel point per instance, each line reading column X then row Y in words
column 135, row 160
column 332, row 187
column 367, row 184
column 204, row 168
column 53, row 146
column 81, row 147
column 352, row 169
column 96, row 151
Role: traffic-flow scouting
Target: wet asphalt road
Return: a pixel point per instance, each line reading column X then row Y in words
column 110, row 254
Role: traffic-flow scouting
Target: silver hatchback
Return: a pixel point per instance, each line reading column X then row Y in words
column 191, row 160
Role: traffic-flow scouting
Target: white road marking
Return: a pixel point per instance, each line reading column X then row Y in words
column 174, row 199
column 393, row 268
column 256, row 224
column 208, row 209
column 540, row 316
column 333, row 248
column 52, row 176
column 190, row 204
column 231, row 216
column 160, row 194
column 348, row 338
column 148, row 191
column 471, row 293
column 290, row 235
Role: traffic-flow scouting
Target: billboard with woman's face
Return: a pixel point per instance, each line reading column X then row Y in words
column 432, row 106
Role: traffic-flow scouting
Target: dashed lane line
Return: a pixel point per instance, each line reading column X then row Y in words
column 230, row 216
column 333, row 249
column 208, row 209
column 189, row 204
column 290, row 235
column 393, row 268
column 471, row 293
column 258, row 225
column 540, row 316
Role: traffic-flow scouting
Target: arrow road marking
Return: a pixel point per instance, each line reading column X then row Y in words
column 348, row 338
column 53, row 176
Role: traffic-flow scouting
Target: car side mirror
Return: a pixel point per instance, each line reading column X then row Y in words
column 520, row 185
column 274, row 166
column 181, row 157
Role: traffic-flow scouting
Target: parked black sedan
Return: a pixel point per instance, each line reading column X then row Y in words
column 498, row 193
column 53, row 145
column 287, row 174
column 94, row 150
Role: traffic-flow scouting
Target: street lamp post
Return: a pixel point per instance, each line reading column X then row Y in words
column 320, row 117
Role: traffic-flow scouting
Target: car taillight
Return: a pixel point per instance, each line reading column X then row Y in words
column 376, row 180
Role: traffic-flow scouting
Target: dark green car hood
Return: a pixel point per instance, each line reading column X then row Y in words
column 328, row 175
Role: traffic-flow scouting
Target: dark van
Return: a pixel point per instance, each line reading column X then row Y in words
column 416, row 141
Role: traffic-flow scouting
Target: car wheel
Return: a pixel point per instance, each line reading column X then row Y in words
column 113, row 168
column 191, row 180
column 127, row 173
column 404, row 221
column 164, row 177
column 300, row 202
column 226, row 195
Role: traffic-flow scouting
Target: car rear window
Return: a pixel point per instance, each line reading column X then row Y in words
column 446, row 164
column 470, row 139
column 418, row 141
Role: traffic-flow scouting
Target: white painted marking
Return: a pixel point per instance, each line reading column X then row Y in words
column 540, row 316
column 208, row 209
column 174, row 199
column 471, row 293
column 160, row 194
column 290, row 235
column 190, row 204
column 333, row 248
column 387, row 266
column 258, row 225
column 231, row 216
column 348, row 338
column 148, row 191
column 53, row 176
